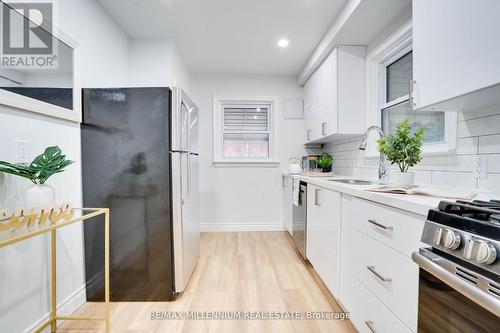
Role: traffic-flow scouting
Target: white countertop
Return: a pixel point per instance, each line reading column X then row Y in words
column 418, row 204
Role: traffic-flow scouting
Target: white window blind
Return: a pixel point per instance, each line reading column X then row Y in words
column 246, row 131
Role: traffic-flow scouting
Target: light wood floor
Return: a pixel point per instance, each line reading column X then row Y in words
column 253, row 271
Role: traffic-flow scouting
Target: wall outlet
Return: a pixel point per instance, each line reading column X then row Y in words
column 480, row 167
column 23, row 151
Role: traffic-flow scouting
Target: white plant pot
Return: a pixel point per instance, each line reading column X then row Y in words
column 39, row 195
column 404, row 178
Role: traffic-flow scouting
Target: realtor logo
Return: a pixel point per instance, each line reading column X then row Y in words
column 27, row 35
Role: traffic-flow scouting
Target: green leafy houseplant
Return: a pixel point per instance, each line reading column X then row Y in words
column 403, row 148
column 325, row 162
column 52, row 161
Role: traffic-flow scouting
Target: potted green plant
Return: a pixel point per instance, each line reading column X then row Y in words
column 325, row 162
column 404, row 149
column 52, row 161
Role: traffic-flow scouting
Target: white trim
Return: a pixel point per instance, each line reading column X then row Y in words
column 392, row 48
column 275, row 110
column 32, row 105
column 67, row 307
column 242, row 227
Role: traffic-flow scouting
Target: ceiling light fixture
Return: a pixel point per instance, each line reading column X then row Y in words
column 283, row 43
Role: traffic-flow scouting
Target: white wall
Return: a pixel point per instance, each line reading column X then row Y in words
column 155, row 62
column 235, row 199
column 104, row 46
column 24, row 268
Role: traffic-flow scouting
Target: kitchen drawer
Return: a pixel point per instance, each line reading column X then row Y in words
column 389, row 275
column 365, row 308
column 399, row 229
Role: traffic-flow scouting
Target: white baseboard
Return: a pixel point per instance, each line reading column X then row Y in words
column 69, row 305
column 241, row 227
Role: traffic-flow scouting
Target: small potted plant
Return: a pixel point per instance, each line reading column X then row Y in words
column 325, row 162
column 404, row 149
column 52, row 161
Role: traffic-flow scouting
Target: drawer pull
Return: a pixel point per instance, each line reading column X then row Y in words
column 369, row 323
column 375, row 223
column 377, row 274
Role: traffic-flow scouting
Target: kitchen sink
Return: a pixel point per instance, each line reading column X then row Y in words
column 353, row 181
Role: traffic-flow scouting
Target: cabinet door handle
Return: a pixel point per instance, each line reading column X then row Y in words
column 316, row 197
column 411, row 94
column 369, row 323
column 323, row 128
column 308, row 135
column 380, row 225
column 377, row 274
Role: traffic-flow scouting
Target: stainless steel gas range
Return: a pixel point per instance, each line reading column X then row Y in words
column 459, row 288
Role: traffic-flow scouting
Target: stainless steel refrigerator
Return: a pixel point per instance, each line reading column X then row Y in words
column 140, row 159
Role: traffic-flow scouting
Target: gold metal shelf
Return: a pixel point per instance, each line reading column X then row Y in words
column 12, row 237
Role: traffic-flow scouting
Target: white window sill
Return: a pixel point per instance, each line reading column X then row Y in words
column 247, row 164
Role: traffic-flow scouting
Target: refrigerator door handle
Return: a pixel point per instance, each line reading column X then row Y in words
column 189, row 110
column 181, row 106
column 188, row 193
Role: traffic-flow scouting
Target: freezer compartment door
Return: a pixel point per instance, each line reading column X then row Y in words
column 186, row 217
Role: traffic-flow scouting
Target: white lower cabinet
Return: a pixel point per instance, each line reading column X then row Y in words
column 379, row 281
column 389, row 275
column 393, row 227
column 368, row 314
column 287, row 200
column 361, row 251
column 323, row 235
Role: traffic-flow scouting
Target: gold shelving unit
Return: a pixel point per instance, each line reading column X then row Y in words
column 33, row 230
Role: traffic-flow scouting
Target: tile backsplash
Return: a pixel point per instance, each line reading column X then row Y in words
column 478, row 135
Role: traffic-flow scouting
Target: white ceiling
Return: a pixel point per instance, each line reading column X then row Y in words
column 231, row 36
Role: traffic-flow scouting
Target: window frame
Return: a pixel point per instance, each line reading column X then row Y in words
column 219, row 103
column 397, row 45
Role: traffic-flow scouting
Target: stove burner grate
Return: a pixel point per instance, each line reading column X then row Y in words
column 488, row 211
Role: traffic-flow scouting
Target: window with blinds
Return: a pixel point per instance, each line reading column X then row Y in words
column 246, row 131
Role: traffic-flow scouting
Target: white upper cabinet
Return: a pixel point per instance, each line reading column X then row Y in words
column 456, row 52
column 334, row 96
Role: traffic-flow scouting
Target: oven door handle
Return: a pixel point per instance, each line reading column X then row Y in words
column 489, row 302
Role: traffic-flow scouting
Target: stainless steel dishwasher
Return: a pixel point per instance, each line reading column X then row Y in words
column 299, row 226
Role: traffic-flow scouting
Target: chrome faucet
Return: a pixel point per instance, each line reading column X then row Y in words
column 382, row 169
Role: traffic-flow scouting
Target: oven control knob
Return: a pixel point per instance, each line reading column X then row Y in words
column 480, row 251
column 447, row 238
